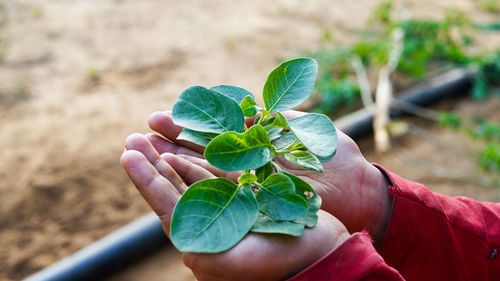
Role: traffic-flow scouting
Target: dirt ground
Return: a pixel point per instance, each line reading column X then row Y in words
column 76, row 77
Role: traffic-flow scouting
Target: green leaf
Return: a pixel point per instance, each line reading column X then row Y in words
column 290, row 84
column 247, row 178
column 305, row 160
column 248, row 105
column 265, row 224
column 199, row 138
column 263, row 172
column 285, row 141
column 277, row 199
column 235, row 152
column 236, row 93
column 310, row 218
column 212, row 216
column 274, row 133
column 280, row 121
column 204, row 110
column 317, row 133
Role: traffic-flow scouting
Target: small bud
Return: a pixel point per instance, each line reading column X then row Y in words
column 308, row 194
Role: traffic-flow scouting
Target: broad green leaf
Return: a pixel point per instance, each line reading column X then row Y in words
column 204, row 110
column 265, row 224
column 247, row 178
column 236, row 93
column 235, row 152
column 310, row 218
column 317, row 133
column 199, row 138
column 290, row 84
column 285, row 141
column 263, row 172
column 212, row 216
column 248, row 105
column 277, row 199
column 305, row 160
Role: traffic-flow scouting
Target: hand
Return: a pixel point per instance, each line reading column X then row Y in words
column 352, row 189
column 257, row 256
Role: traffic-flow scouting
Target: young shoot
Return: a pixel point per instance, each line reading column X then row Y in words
column 215, row 214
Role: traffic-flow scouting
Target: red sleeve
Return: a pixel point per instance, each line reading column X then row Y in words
column 435, row 237
column 355, row 259
column 430, row 237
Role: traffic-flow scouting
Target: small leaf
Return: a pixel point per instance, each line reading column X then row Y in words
column 285, row 141
column 277, row 199
column 305, row 160
column 265, row 224
column 235, row 152
column 257, row 119
column 263, row 172
column 280, row 121
column 266, row 116
column 274, row 133
column 199, row 138
column 236, row 93
column 247, row 178
column 212, row 216
column 310, row 218
column 290, row 84
column 204, row 110
column 317, row 133
column 248, row 105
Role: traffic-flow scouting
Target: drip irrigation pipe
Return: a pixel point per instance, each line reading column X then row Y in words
column 110, row 254
column 142, row 237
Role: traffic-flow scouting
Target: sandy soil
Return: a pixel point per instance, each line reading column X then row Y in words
column 76, row 77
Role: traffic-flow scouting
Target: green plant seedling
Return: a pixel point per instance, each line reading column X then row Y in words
column 213, row 215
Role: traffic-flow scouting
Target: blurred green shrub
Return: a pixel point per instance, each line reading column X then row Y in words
column 427, row 45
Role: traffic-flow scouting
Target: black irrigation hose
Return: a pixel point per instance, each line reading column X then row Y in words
column 110, row 254
column 145, row 235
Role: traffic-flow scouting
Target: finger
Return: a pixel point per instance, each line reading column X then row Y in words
column 212, row 169
column 190, row 172
column 163, row 145
column 141, row 143
column 158, row 192
column 162, row 123
column 249, row 121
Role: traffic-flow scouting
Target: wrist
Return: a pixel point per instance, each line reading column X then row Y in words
column 379, row 211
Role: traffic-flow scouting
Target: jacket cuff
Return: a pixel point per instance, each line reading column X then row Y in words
column 353, row 259
column 408, row 199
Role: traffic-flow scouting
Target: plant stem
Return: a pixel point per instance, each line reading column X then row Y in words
column 277, row 167
column 363, row 82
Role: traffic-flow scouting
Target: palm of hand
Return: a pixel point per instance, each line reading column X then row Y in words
column 343, row 187
column 352, row 189
column 269, row 257
column 257, row 256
